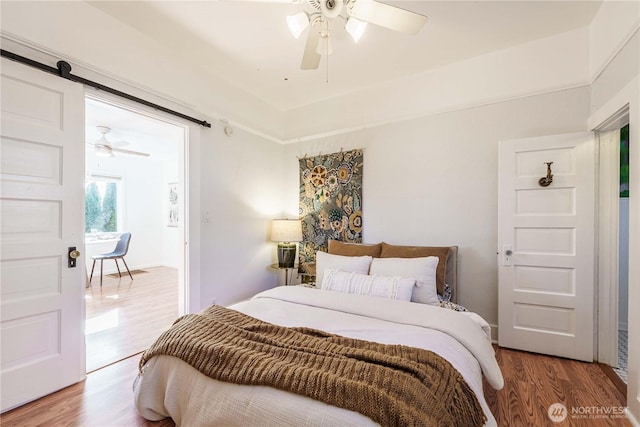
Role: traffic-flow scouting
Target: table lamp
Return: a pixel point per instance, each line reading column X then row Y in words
column 286, row 232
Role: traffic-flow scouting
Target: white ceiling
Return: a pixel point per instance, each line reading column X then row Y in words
column 248, row 44
column 131, row 130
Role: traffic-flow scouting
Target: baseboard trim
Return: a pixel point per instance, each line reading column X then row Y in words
column 615, row 379
column 494, row 334
column 631, row 418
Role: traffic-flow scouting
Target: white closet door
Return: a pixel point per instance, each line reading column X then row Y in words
column 546, row 237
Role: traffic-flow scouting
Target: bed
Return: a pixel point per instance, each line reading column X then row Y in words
column 168, row 386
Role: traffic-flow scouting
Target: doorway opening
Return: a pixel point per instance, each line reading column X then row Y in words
column 134, row 177
column 613, row 245
column 623, row 257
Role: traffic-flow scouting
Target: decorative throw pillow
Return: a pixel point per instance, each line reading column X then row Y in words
column 398, row 288
column 452, row 306
column 442, row 252
column 423, row 270
column 446, row 294
column 355, row 264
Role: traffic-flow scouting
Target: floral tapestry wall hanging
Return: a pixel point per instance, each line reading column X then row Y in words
column 330, row 203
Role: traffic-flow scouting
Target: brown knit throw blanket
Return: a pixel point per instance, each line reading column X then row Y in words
column 393, row 385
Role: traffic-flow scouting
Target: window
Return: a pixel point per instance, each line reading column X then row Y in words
column 103, row 204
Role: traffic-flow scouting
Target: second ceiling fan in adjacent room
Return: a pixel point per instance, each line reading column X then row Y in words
column 105, row 148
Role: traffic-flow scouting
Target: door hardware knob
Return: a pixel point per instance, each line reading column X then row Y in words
column 72, row 255
column 507, row 260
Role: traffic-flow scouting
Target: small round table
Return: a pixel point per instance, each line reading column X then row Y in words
column 276, row 266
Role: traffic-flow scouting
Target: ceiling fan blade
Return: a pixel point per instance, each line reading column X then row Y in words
column 387, row 16
column 311, row 58
column 133, row 153
column 119, row 143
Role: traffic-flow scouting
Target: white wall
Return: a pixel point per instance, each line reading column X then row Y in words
column 171, row 250
column 614, row 23
column 241, row 193
column 540, row 66
column 433, row 180
column 143, row 208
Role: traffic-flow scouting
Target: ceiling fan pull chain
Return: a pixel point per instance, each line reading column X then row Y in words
column 327, row 56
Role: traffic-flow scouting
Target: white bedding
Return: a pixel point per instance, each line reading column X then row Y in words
column 170, row 387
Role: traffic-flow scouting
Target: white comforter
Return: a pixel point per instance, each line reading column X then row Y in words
column 169, row 387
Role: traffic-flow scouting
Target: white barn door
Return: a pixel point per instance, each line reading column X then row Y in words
column 546, row 245
column 42, row 215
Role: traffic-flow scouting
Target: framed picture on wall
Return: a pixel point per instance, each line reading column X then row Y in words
column 172, row 214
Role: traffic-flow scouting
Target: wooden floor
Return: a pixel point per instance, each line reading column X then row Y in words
column 104, row 399
column 125, row 316
column 532, row 383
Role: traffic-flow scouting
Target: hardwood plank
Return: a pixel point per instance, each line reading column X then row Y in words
column 533, row 382
column 105, row 398
column 125, row 316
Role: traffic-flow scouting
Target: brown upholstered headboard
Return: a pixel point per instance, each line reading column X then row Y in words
column 447, row 271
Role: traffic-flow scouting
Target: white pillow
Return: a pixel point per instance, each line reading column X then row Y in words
column 354, row 264
column 423, row 270
column 398, row 288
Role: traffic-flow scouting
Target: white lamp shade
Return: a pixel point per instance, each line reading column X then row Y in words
column 286, row 230
column 297, row 23
column 355, row 28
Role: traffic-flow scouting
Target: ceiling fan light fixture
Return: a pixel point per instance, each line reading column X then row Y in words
column 103, row 150
column 355, row 28
column 297, row 23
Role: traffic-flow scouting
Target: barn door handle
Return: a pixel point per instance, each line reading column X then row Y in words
column 546, row 180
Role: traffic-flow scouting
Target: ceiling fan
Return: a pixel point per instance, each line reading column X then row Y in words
column 356, row 14
column 105, row 148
